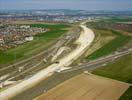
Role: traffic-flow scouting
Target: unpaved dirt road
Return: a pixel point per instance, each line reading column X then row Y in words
column 84, row 41
column 86, row 87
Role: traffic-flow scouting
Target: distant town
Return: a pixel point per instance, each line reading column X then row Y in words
column 13, row 35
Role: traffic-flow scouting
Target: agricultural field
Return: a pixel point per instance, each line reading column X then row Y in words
column 114, row 23
column 40, row 42
column 127, row 95
column 119, row 19
column 108, row 46
column 119, row 70
column 86, row 87
column 101, row 39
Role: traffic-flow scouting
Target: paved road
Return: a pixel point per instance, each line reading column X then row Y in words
column 96, row 63
column 84, row 41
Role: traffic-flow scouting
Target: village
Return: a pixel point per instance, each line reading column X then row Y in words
column 14, row 35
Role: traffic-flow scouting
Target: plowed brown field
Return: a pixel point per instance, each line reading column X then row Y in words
column 86, row 87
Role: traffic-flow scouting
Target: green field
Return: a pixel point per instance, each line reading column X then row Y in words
column 113, row 24
column 120, row 70
column 119, row 19
column 53, row 26
column 112, row 45
column 127, row 95
column 40, row 42
column 109, row 47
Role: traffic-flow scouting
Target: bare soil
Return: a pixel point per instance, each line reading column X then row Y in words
column 86, row 87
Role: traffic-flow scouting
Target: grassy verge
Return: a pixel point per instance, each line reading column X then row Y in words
column 119, row 70
column 40, row 42
column 127, row 95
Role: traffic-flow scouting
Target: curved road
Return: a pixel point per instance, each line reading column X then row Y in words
column 84, row 41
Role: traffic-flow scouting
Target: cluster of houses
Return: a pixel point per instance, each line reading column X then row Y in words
column 13, row 35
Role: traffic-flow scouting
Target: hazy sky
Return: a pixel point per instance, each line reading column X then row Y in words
column 67, row 4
